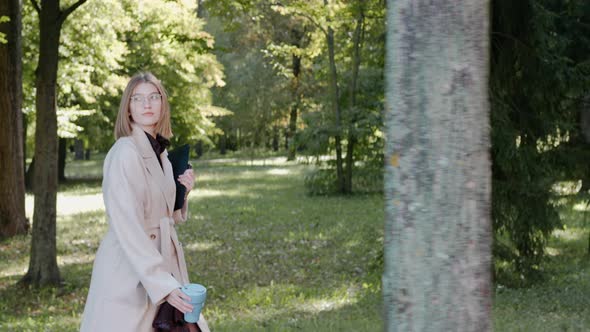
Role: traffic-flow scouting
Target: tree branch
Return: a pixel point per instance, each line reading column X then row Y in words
column 36, row 6
column 304, row 15
column 65, row 13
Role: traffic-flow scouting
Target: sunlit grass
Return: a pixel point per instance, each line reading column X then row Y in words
column 272, row 258
column 275, row 259
column 70, row 204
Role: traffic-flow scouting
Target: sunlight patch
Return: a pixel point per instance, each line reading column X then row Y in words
column 319, row 305
column 202, row 246
column 585, row 207
column 567, row 234
column 14, row 271
column 75, row 259
column 69, row 205
column 552, row 251
column 200, row 192
column 279, row 171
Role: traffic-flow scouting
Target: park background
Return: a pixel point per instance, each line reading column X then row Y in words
column 283, row 105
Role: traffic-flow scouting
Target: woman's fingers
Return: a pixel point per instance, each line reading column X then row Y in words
column 179, row 300
column 185, row 183
column 184, row 306
column 185, row 297
column 187, row 179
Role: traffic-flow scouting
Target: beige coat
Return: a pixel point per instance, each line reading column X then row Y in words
column 140, row 260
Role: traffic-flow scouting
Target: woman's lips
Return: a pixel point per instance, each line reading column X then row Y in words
column 148, row 114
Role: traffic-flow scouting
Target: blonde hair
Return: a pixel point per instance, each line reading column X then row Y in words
column 123, row 123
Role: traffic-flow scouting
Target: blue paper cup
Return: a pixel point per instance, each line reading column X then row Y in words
column 198, row 294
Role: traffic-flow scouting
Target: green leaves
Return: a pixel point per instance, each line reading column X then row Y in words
column 167, row 39
column 537, row 81
column 103, row 43
column 3, row 19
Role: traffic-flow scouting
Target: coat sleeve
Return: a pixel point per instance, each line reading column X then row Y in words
column 123, row 189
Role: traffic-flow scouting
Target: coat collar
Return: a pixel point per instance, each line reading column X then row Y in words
column 142, row 142
column 161, row 174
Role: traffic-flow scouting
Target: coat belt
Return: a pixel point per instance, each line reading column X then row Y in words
column 169, row 237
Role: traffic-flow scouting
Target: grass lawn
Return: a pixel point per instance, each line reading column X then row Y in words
column 275, row 259
column 562, row 301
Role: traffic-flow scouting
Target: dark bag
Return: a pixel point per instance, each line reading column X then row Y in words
column 169, row 318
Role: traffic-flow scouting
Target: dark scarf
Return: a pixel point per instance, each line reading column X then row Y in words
column 159, row 144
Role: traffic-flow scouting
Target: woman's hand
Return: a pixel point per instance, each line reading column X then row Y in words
column 179, row 300
column 187, row 179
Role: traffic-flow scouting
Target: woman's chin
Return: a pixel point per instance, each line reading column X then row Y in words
column 147, row 122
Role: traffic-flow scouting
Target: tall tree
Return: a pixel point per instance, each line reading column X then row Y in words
column 335, row 103
column 296, row 35
column 43, row 269
column 538, row 79
column 357, row 41
column 12, row 183
column 438, row 172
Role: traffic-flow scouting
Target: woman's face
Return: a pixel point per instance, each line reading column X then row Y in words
column 145, row 106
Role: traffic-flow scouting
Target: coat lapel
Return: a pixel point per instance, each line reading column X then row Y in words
column 161, row 177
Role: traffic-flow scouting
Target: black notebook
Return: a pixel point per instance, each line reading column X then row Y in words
column 179, row 160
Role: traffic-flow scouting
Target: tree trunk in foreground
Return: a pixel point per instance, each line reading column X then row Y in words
column 12, row 182
column 438, row 173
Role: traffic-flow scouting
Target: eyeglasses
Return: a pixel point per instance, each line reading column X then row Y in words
column 154, row 97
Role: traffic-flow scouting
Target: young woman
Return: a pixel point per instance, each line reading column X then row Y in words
column 140, row 262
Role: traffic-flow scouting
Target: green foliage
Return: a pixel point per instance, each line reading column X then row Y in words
column 167, row 39
column 256, row 92
column 361, row 118
column 103, row 43
column 89, row 75
column 258, row 43
column 3, row 19
column 322, row 181
column 66, row 119
column 536, row 83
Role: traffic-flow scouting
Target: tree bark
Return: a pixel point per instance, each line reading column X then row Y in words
column 78, row 149
column 25, row 123
column 335, row 101
column 356, row 63
column 438, row 172
column 29, row 177
column 291, row 146
column 61, row 159
column 12, row 182
column 275, row 138
column 200, row 9
column 199, row 149
column 43, row 269
column 222, row 144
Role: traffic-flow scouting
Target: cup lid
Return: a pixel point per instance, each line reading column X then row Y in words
column 198, row 288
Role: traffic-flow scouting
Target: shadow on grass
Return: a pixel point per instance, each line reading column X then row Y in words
column 272, row 257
